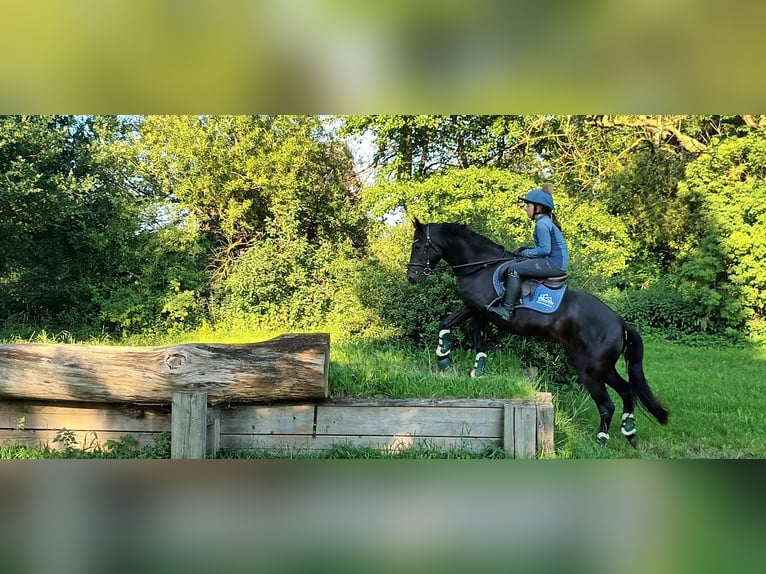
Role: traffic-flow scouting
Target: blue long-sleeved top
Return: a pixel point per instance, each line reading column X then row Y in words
column 549, row 243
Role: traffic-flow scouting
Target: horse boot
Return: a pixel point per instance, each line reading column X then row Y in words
column 512, row 290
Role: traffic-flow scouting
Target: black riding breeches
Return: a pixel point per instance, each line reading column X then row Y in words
column 535, row 267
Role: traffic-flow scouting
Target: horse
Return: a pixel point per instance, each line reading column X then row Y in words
column 592, row 335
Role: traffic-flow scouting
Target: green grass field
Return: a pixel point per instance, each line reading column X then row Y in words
column 715, row 394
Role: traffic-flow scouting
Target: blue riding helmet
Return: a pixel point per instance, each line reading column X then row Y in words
column 540, row 197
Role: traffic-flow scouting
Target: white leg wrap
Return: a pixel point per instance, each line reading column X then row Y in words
column 603, row 435
column 439, row 353
column 631, row 432
column 476, row 364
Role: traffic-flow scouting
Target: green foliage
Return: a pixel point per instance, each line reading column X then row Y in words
column 160, row 287
column 161, row 224
column 723, row 272
column 245, row 177
column 660, row 307
column 659, row 224
column 281, row 283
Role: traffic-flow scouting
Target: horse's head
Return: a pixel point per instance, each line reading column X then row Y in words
column 424, row 255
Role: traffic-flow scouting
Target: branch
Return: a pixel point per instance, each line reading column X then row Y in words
column 656, row 125
column 755, row 122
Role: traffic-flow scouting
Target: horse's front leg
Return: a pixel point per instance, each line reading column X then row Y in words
column 479, row 339
column 443, row 349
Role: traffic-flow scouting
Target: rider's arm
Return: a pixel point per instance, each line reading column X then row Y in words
column 543, row 245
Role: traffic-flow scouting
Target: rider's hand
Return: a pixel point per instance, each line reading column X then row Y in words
column 517, row 253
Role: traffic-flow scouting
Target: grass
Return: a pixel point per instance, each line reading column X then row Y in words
column 715, row 394
column 382, row 370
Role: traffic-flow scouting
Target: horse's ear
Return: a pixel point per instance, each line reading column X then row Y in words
column 417, row 223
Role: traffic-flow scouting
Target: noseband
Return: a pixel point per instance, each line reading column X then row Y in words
column 427, row 270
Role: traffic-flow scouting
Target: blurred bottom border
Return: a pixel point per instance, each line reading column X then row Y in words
column 338, row 516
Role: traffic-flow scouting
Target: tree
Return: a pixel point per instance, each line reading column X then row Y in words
column 723, row 270
column 62, row 221
column 238, row 179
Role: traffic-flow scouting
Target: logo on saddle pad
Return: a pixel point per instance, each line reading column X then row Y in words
column 542, row 298
column 545, row 299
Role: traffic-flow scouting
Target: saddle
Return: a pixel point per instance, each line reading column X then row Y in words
column 542, row 294
column 528, row 284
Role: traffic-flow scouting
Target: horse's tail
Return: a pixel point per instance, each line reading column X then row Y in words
column 634, row 356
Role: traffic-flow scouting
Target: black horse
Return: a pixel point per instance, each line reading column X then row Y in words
column 592, row 335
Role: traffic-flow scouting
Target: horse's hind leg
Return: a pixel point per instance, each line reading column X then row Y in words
column 622, row 387
column 595, row 386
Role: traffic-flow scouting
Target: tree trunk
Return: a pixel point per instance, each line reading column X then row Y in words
column 290, row 367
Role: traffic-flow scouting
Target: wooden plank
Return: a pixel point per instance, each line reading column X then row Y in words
column 427, row 421
column 525, row 431
column 273, row 419
column 308, row 443
column 545, row 424
column 466, row 403
column 30, row 415
column 188, row 435
column 509, row 434
column 290, row 367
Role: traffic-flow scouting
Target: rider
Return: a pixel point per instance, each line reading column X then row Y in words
column 548, row 258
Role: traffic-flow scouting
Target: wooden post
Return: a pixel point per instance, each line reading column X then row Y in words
column 213, row 432
column 509, row 439
column 525, row 431
column 545, row 424
column 188, row 433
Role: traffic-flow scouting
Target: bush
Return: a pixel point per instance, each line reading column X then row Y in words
column 662, row 308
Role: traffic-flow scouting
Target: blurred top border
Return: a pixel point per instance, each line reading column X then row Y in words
column 343, row 57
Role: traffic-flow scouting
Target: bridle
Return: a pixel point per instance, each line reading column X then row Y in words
column 427, row 270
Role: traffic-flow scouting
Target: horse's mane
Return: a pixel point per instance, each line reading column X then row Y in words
column 462, row 230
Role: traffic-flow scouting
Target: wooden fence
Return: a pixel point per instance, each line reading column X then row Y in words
column 234, row 397
column 521, row 427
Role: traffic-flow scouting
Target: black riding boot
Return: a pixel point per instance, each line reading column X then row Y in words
column 512, row 290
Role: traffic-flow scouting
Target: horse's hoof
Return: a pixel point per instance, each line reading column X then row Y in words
column 444, row 364
column 602, row 438
column 633, row 440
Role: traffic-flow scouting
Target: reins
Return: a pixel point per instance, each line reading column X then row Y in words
column 428, row 270
column 482, row 264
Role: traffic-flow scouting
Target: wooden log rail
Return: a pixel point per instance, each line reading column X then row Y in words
column 287, row 368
